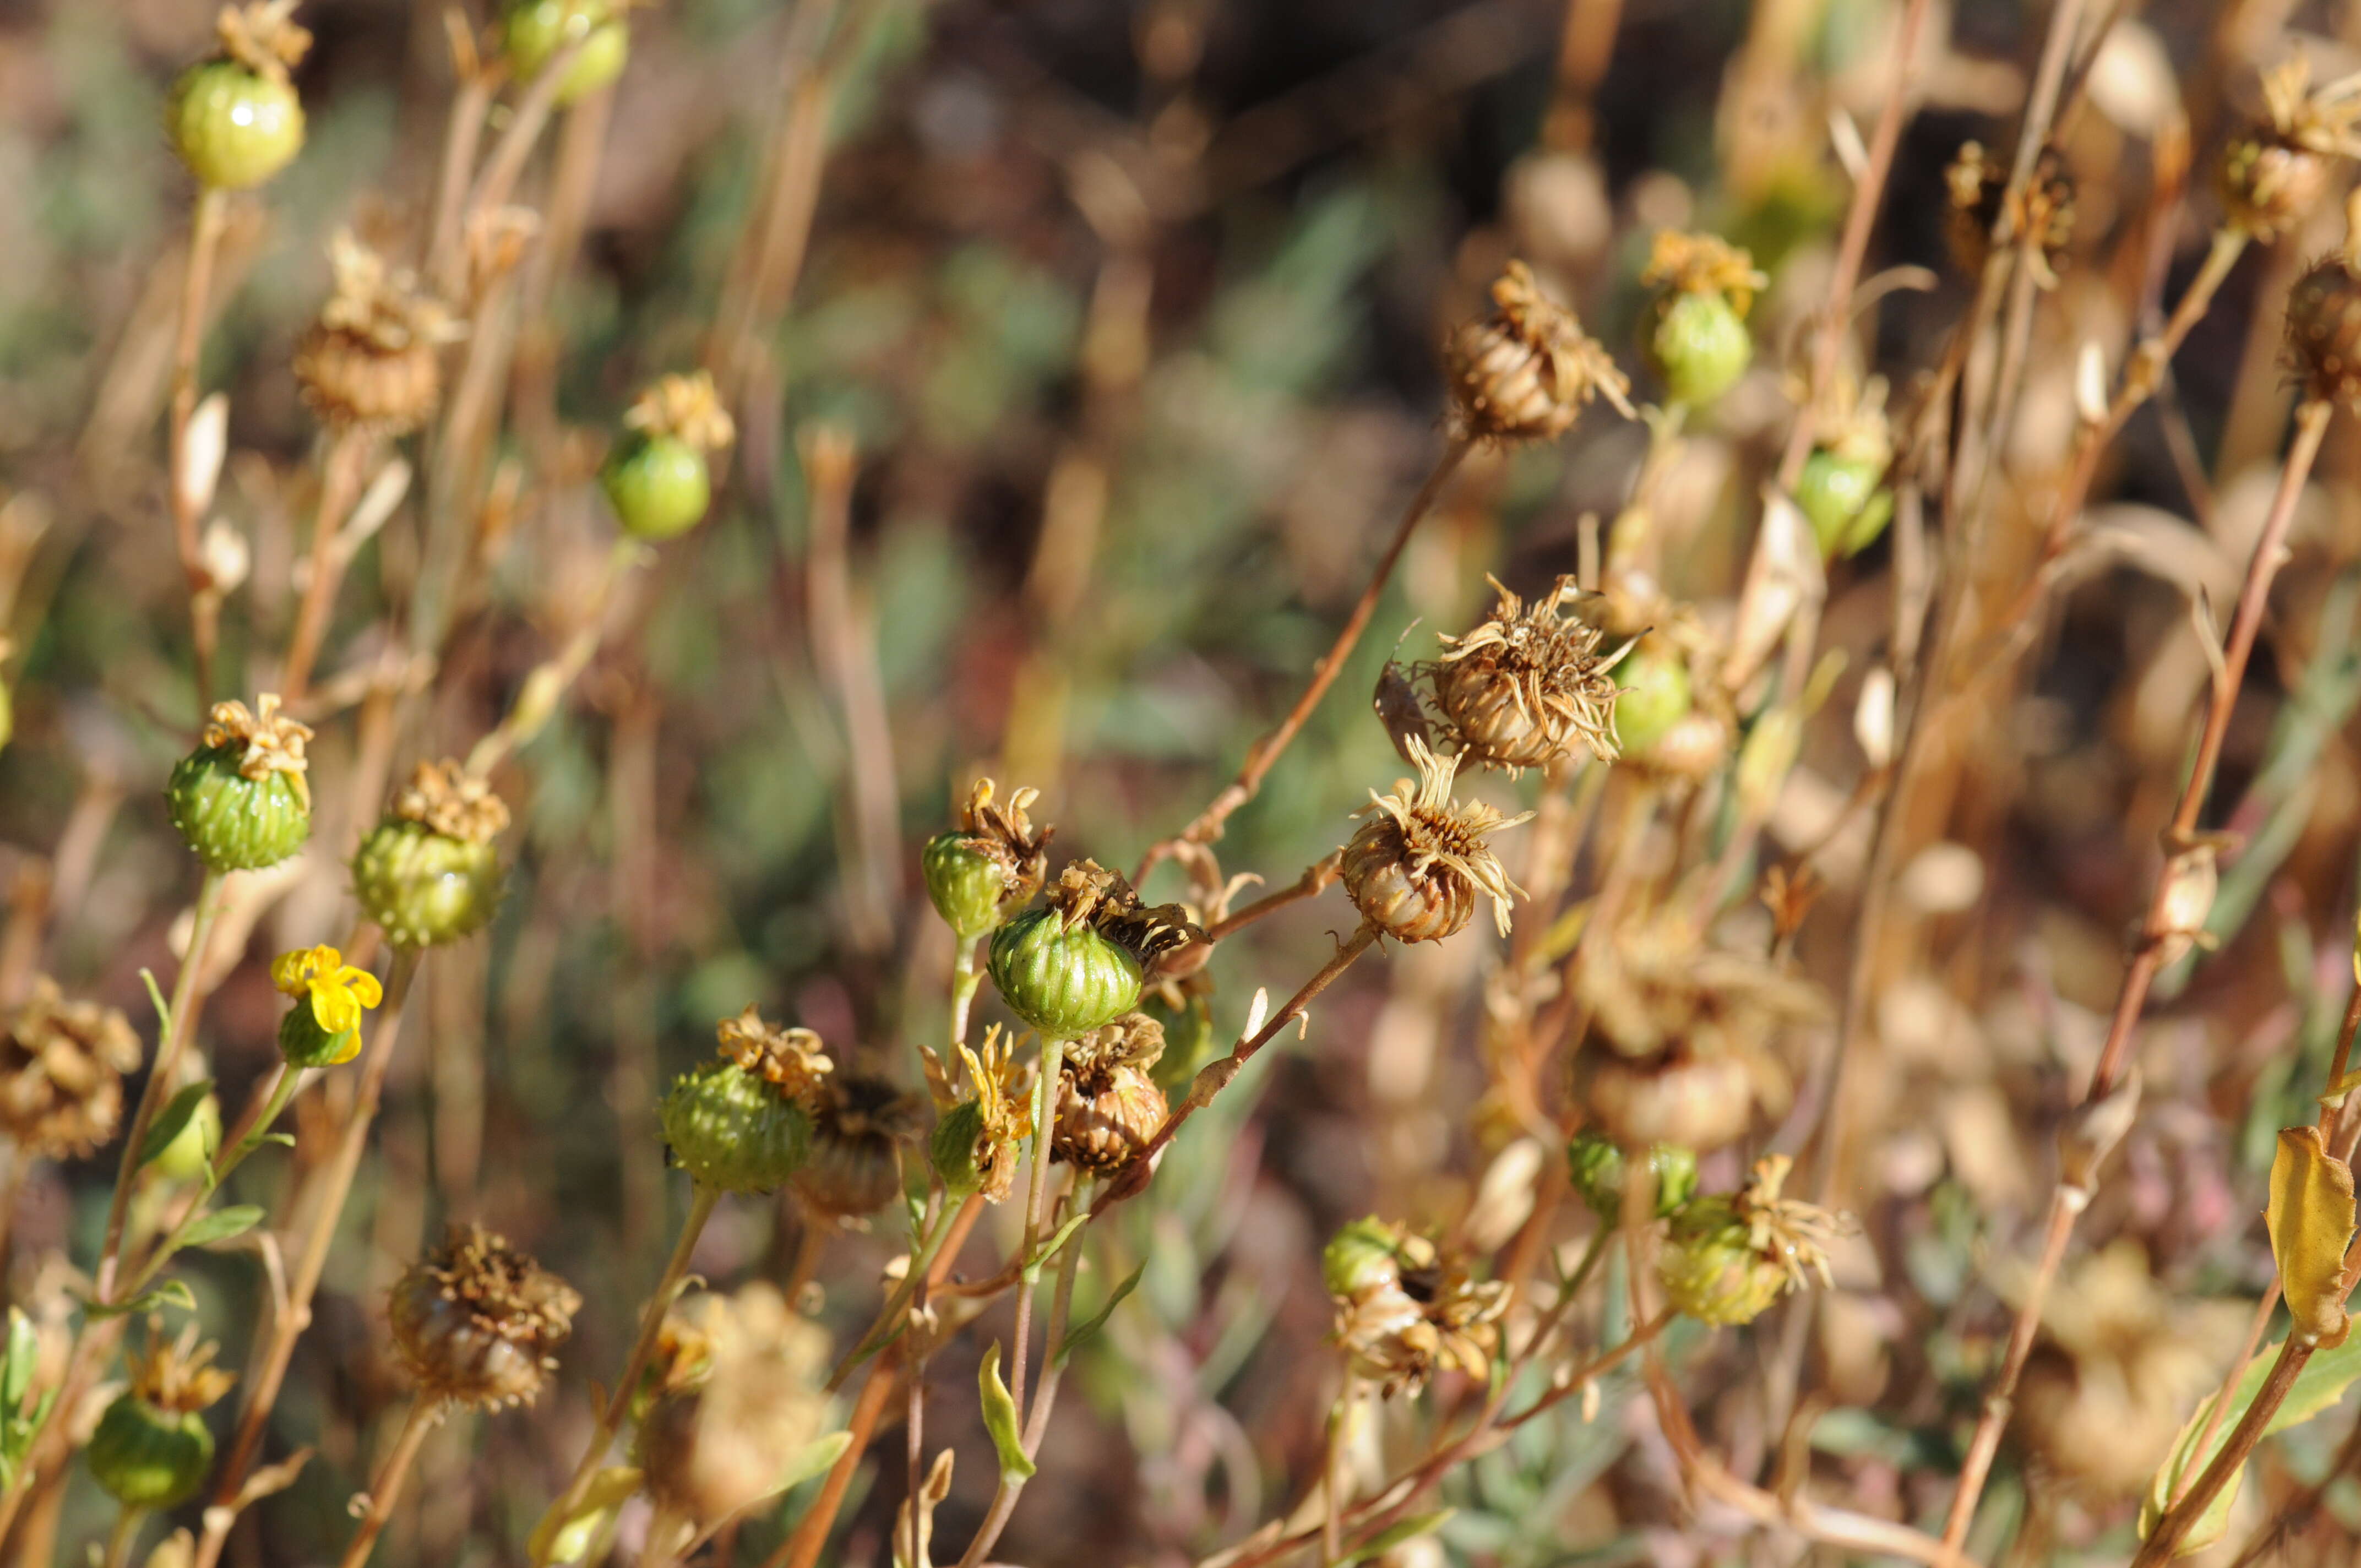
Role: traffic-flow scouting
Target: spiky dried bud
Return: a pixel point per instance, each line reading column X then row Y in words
column 242, row 800
column 1414, row 868
column 975, row 1145
column 2323, row 321
column 744, row 1123
column 373, row 359
column 1526, row 684
column 859, row 1126
column 1108, row 1104
column 991, row 865
column 152, row 1448
column 2045, row 215
column 429, row 874
column 235, row 119
column 2276, row 171
column 61, row 1068
column 1725, row 1259
column 1526, row 371
column 1079, row 962
column 733, row 1438
column 1697, row 340
column 1404, row 1313
column 477, row 1323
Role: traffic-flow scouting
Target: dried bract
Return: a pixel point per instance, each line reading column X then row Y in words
column 61, row 1068
column 2043, row 215
column 1108, row 1104
column 2276, row 170
column 373, row 358
column 1404, row 1313
column 267, row 740
column 1527, row 684
column 1526, row 371
column 476, row 1321
column 446, row 798
column 1415, row 867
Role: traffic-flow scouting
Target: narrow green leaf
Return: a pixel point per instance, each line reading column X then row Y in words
column 1000, row 1418
column 818, row 1458
column 287, row 1138
column 16, row 1365
column 172, row 1293
column 1049, row 1248
column 2318, row 1387
column 1386, row 1539
column 163, row 1012
column 222, row 1224
column 1097, row 1319
column 173, row 1119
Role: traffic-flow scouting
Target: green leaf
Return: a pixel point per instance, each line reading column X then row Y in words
column 568, row 1540
column 1000, row 1418
column 1049, row 1248
column 818, row 1458
column 173, row 1119
column 1097, row 1319
column 287, row 1138
column 222, row 1224
column 1388, row 1539
column 2318, row 1387
column 16, row 1365
column 163, row 1013
column 172, row 1293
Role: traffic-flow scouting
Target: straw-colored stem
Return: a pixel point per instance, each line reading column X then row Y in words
column 340, row 486
column 196, row 293
column 385, row 1488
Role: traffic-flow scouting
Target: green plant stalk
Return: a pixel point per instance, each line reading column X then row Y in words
column 283, row 1091
column 179, row 1026
column 1045, row 1115
column 888, row 1324
column 206, row 222
column 127, row 1520
column 1045, row 1398
column 701, row 1202
column 966, row 975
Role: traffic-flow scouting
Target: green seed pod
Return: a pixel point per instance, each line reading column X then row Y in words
column 735, row 1130
column 1699, row 347
column 144, row 1457
column 241, row 800
column 1063, row 982
column 1364, row 1256
column 190, row 1152
column 965, row 884
column 1596, row 1165
column 303, row 1043
column 424, row 888
column 1845, row 501
column 536, row 29
column 659, row 486
column 233, row 125
column 986, row 869
column 951, row 1151
column 1654, row 693
column 1711, row 1269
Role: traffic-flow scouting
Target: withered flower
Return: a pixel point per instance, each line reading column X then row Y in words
column 977, row 1143
column 729, row 1439
column 2044, row 219
column 1526, row 684
column 1414, row 868
column 793, row 1061
column 1404, row 1313
column 991, row 865
column 477, row 1321
column 859, row 1126
column 267, row 742
column 686, row 408
column 1527, row 370
column 61, row 1067
column 2324, row 320
column 373, row 358
column 1725, row 1259
column 1108, row 1104
column 446, row 797
column 2276, row 171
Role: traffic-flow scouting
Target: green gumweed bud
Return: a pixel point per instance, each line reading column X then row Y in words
column 1711, row 1269
column 1596, row 1164
column 1364, row 1256
column 535, row 30
column 952, row 1149
column 659, row 479
column 744, row 1123
column 241, row 799
column 1699, row 347
column 429, row 874
column 1078, row 962
column 144, row 1457
column 302, row 1042
column 1845, row 502
column 965, row 884
column 1653, row 695
column 990, row 865
column 233, row 125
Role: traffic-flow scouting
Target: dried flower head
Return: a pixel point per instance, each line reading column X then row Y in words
column 859, row 1126
column 477, row 1321
column 688, row 408
column 1109, row 1106
column 2043, row 215
column 1526, row 684
column 1087, row 893
column 263, row 36
column 1421, row 1316
column 61, row 1067
column 1414, row 870
column 178, row 1374
column 1702, row 264
column 1727, row 1259
column 446, row 798
column 1527, row 370
column 793, row 1060
column 2275, row 172
column 2324, row 320
column 268, row 741
column 372, row 360
column 726, row 1441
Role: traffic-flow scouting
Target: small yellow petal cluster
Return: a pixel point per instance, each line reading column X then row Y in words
column 340, row 994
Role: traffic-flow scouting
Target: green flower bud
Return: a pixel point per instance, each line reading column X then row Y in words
column 303, row 1043
column 744, row 1124
column 144, row 1457
column 1363, row 1257
column 951, row 1151
column 190, row 1152
column 1078, row 962
column 1596, row 1165
column 1845, row 502
column 241, row 800
column 1727, row 1257
column 536, row 29
column 659, row 486
column 233, row 125
column 429, row 875
column 1654, row 693
column 987, row 867
column 1698, row 347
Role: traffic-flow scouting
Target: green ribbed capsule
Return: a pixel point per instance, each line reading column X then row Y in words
column 303, row 1043
column 426, row 888
column 536, row 29
column 1845, row 502
column 147, row 1457
column 1698, row 347
column 1597, row 1168
column 659, row 484
column 234, row 126
column 968, row 886
column 1363, row 1255
column 952, row 1150
column 231, row 822
column 734, row 1130
column 1065, row 983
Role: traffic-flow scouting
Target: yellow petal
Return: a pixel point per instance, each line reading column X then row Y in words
column 289, row 972
column 348, row 1051
column 2311, row 1220
column 336, row 1008
column 362, row 984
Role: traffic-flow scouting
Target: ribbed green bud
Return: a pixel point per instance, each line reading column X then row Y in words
column 1595, row 1166
column 1700, row 346
column 233, row 125
column 1065, row 983
column 426, row 888
column 234, row 823
column 1362, row 1256
column 537, row 29
column 1654, row 695
column 147, row 1457
column 968, row 885
column 659, row 486
column 951, row 1151
column 1844, row 501
column 734, row 1129
column 1709, row 1267
column 303, row 1043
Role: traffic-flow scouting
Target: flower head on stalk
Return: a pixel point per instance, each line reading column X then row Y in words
column 1526, row 371
column 1415, row 867
column 339, row 992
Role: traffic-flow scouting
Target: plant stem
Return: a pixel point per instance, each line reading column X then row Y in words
column 1332, row 1522
column 949, row 1228
column 340, row 474
column 196, row 291
column 127, row 1520
column 179, row 1028
column 2162, row 1544
column 1317, row 878
column 385, row 1489
column 1045, row 1112
column 702, row 1199
column 966, row 975
column 282, row 1090
column 1266, row 752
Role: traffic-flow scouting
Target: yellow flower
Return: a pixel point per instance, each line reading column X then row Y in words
column 339, row 992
